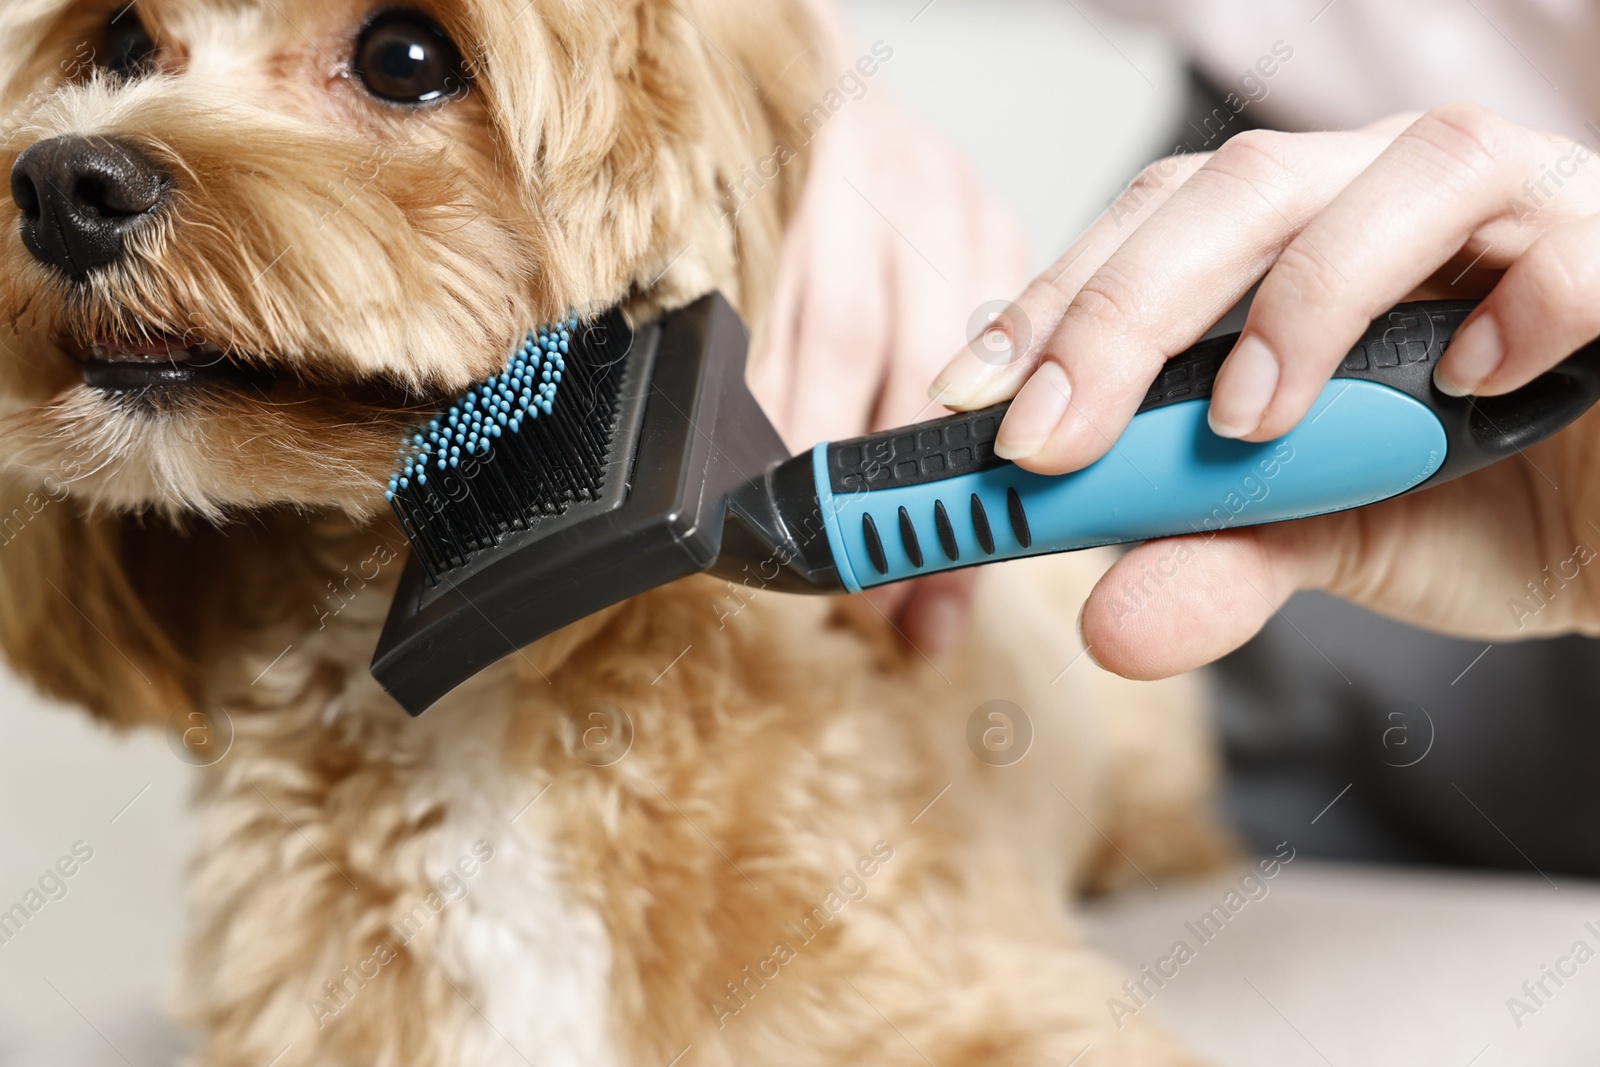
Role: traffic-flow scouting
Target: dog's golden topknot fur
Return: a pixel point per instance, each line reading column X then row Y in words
column 785, row 850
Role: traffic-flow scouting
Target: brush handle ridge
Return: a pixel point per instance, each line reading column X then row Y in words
column 932, row 497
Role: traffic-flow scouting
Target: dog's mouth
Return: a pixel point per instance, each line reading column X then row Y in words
column 172, row 374
column 163, row 364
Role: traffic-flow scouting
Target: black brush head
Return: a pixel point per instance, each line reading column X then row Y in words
column 624, row 480
column 528, row 443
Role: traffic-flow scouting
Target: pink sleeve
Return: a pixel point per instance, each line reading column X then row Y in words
column 1348, row 62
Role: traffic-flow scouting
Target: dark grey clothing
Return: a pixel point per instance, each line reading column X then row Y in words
column 1429, row 749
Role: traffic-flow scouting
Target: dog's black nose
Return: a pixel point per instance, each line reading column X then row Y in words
column 79, row 197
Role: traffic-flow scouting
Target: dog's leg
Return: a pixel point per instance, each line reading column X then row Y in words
column 958, row 967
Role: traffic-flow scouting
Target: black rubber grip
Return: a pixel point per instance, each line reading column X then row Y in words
column 1399, row 350
column 963, row 443
column 927, row 452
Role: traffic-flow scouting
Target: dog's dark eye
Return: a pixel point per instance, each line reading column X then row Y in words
column 404, row 58
column 130, row 51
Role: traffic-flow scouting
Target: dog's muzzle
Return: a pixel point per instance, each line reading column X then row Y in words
column 80, row 197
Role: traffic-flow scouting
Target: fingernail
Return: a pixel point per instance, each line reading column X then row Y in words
column 963, row 380
column 1476, row 352
column 1035, row 413
column 1244, row 388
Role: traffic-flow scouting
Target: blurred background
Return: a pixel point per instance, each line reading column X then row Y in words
column 1463, row 839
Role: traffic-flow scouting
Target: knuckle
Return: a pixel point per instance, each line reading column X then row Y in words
column 1155, row 175
column 1149, row 183
column 1256, row 157
column 1306, row 274
column 1046, row 297
column 1108, row 300
column 1469, row 134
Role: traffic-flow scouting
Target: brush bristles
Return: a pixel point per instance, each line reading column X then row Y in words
column 527, row 443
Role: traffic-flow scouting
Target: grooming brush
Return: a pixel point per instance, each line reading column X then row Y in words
column 606, row 461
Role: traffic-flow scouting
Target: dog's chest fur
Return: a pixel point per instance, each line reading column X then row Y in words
column 536, row 958
column 421, row 864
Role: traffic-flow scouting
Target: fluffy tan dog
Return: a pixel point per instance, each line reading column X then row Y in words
column 248, row 242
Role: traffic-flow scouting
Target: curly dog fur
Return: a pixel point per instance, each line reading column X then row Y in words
column 787, row 853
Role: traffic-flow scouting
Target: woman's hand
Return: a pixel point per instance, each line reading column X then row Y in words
column 894, row 248
column 1337, row 227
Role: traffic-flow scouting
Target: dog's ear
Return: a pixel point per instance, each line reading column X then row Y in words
column 658, row 141
column 72, row 619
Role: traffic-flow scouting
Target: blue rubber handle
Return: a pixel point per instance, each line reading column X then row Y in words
column 934, row 497
column 1167, row 474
